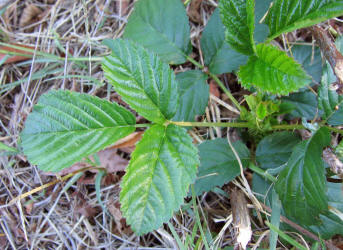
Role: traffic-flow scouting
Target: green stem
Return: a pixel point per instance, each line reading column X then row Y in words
column 214, row 77
column 212, row 124
column 287, row 238
column 261, row 172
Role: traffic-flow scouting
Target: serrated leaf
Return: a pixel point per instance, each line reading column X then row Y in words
column 328, row 100
column 161, row 169
column 218, row 164
column 301, row 185
column 271, row 70
column 144, row 82
column 288, row 15
column 162, row 27
column 330, row 224
column 274, row 150
column 238, row 18
column 194, row 92
column 304, row 105
column 65, row 127
column 310, row 58
column 218, row 55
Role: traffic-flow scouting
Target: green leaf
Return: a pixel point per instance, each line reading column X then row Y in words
column 161, row 169
column 288, row 15
column 218, row 164
column 65, row 127
column 218, row 55
column 238, row 18
column 144, row 82
column 328, row 100
column 4, row 147
column 162, row 27
column 331, row 223
column 304, row 105
column 274, row 150
column 271, row 70
column 194, row 92
column 301, row 185
column 310, row 59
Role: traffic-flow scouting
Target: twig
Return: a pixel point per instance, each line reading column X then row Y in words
column 331, row 53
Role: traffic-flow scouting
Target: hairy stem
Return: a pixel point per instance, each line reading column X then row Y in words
column 262, row 172
column 218, row 81
column 331, row 53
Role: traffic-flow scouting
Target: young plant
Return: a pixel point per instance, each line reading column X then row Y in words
column 65, row 126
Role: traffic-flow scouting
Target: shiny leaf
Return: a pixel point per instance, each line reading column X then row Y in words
column 238, row 18
column 161, row 169
column 271, row 70
column 288, row 15
column 144, row 82
column 65, row 127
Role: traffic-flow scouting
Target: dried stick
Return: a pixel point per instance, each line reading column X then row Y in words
column 331, row 53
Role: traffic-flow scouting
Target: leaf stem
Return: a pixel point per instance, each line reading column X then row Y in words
column 262, row 172
column 212, row 124
column 217, row 80
column 287, row 238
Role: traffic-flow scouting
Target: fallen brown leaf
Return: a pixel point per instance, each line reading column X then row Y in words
column 194, row 11
column 30, row 15
column 15, row 58
column 121, row 226
column 214, row 89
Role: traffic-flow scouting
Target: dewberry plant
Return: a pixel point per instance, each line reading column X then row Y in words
column 64, row 126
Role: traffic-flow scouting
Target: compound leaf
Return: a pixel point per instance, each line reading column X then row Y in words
column 301, row 185
column 144, row 82
column 274, row 150
column 161, row 169
column 218, row 164
column 65, row 127
column 238, row 18
column 271, row 70
column 162, row 27
column 194, row 93
column 288, row 15
column 218, row 54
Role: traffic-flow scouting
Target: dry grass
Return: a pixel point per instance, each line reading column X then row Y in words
column 67, row 215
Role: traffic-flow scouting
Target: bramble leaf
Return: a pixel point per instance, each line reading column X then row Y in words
column 194, row 93
column 238, row 18
column 288, row 15
column 271, row 70
column 161, row 169
column 274, row 150
column 328, row 100
column 304, row 105
column 310, row 59
column 144, row 82
column 301, row 184
column 65, row 127
column 218, row 55
column 218, row 164
column 162, row 27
